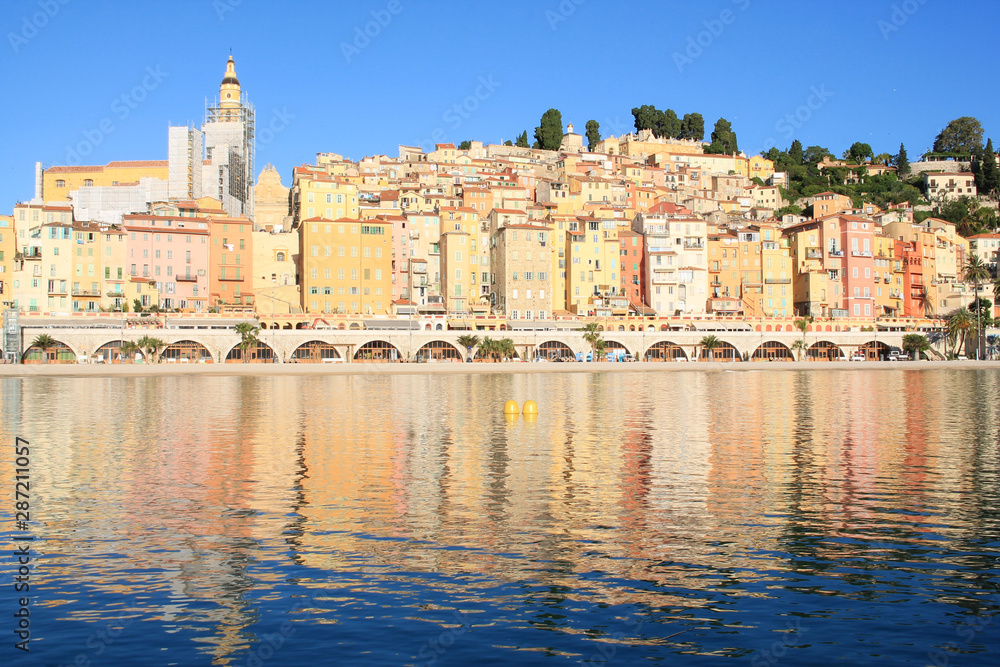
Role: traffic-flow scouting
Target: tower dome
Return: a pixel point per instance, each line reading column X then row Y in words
column 229, row 91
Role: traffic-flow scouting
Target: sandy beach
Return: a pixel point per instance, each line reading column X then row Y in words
column 140, row 370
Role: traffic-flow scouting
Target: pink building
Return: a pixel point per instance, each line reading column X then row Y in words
column 173, row 251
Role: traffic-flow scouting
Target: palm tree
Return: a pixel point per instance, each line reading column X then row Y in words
column 708, row 344
column 468, row 341
column 44, row 342
column 600, row 347
column 128, row 350
column 593, row 337
column 957, row 324
column 248, row 338
column 505, row 347
column 486, row 348
column 802, row 324
column 151, row 346
column 915, row 344
column 977, row 273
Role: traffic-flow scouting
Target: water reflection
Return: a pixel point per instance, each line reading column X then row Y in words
column 657, row 513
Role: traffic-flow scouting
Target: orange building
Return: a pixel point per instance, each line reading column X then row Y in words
column 231, row 263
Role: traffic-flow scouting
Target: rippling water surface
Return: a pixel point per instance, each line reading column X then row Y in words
column 762, row 517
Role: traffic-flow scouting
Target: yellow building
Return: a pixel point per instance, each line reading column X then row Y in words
column 346, row 265
column 810, row 286
column 8, row 248
column 45, row 241
column 58, row 182
column 592, row 262
column 760, row 167
column 459, row 279
column 316, row 194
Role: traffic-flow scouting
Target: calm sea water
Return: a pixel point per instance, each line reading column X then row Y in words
column 706, row 518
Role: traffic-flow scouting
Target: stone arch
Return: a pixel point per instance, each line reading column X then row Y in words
column 829, row 328
column 788, row 327
column 555, row 349
column 109, row 351
column 439, row 327
column 631, row 327
column 724, row 352
column 823, row 350
column 190, row 350
column 260, row 353
column 616, row 349
column 767, row 328
column 665, row 350
column 314, row 352
column 377, row 351
column 772, row 350
column 438, row 350
column 621, row 327
column 874, row 350
column 354, row 326
column 60, row 353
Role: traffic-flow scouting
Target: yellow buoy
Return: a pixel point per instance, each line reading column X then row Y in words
column 510, row 408
column 530, row 408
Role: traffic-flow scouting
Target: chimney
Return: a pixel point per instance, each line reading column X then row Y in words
column 38, row 181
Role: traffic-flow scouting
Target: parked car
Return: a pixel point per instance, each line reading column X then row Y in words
column 858, row 356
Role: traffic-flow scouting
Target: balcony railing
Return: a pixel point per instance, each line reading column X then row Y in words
column 814, row 254
column 86, row 293
column 861, row 253
column 694, row 246
column 186, row 279
column 777, row 281
column 836, row 253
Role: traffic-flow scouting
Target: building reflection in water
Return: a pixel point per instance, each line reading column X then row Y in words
column 214, row 493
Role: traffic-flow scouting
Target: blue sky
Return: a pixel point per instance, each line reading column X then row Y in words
column 107, row 78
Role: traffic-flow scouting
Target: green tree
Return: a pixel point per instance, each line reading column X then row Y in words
column 815, row 154
column 487, row 348
column 645, row 117
column 962, row 136
column 976, row 272
column 127, row 350
column 150, row 346
column 709, row 344
column 248, row 338
column 137, row 305
column 465, row 145
column 44, row 342
column 549, row 133
column 723, row 139
column 802, row 324
column 505, row 348
column 858, row 153
column 522, row 139
column 693, row 127
column 468, row 341
column 593, row 337
column 915, row 344
column 985, row 169
column 508, row 143
column 795, row 152
column 957, row 325
column 667, row 125
column 593, row 134
column 902, row 163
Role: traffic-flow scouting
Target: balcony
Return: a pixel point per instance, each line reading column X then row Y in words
column 861, row 253
column 186, row 279
column 887, row 280
column 114, row 294
column 87, row 293
column 228, row 279
column 812, row 253
column 836, row 253
column 418, row 268
column 778, row 281
column 694, row 245
column 664, row 279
